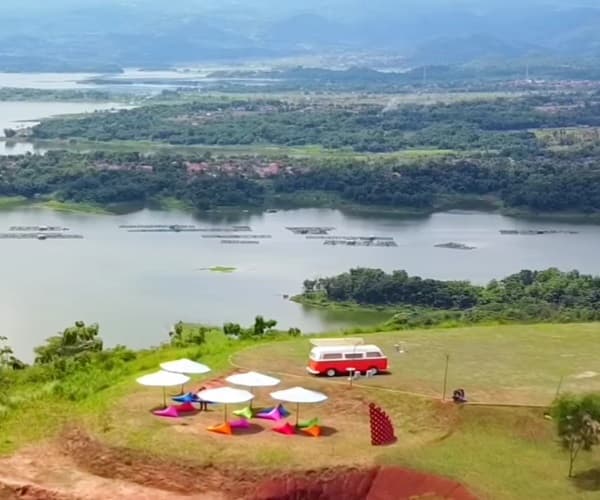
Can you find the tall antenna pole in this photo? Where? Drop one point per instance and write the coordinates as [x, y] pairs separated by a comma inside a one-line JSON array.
[[445, 378]]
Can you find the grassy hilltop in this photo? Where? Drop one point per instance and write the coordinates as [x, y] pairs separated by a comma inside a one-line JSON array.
[[500, 452]]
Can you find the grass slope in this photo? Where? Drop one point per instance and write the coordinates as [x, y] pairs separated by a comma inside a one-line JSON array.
[[521, 364], [501, 453], [7, 202]]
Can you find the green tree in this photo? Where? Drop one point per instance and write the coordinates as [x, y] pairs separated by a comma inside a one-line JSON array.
[[182, 337], [294, 332], [578, 424], [261, 326], [7, 358], [177, 329], [73, 342], [232, 329]]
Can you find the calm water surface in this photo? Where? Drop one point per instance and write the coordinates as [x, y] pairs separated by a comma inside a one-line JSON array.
[[18, 115], [25, 114], [138, 284]]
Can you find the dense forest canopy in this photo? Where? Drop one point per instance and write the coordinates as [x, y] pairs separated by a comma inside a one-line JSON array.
[[501, 124], [534, 153], [544, 184], [549, 295]]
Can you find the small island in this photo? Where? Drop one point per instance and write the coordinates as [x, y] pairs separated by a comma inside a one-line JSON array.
[[219, 269], [455, 246]]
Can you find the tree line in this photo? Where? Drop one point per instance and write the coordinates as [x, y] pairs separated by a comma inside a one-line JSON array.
[[498, 124], [548, 295], [546, 184]]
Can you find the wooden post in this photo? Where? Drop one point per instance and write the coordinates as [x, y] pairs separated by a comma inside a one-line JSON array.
[[559, 387], [351, 372], [445, 377]]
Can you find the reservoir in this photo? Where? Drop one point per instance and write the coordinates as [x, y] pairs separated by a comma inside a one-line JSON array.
[[17, 115], [136, 284]]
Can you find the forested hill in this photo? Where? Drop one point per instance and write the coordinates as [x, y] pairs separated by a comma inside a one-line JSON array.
[[543, 185], [551, 184], [499, 124], [549, 295]]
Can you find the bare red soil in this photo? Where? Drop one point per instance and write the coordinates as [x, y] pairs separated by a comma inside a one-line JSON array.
[[83, 468], [389, 483]]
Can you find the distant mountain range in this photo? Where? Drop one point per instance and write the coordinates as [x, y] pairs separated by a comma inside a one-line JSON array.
[[70, 34]]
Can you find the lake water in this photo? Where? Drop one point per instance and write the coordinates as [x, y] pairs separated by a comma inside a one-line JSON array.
[[48, 81], [18, 115], [24, 114], [136, 285]]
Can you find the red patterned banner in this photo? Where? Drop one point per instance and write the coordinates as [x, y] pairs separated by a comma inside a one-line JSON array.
[[382, 429]]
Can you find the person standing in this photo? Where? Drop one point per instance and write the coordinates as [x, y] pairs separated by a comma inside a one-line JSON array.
[[203, 404]]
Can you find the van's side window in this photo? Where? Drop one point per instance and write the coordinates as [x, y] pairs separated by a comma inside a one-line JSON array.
[[374, 355], [353, 355], [333, 355]]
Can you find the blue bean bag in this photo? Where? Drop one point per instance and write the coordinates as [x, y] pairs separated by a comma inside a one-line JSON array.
[[282, 411], [190, 397]]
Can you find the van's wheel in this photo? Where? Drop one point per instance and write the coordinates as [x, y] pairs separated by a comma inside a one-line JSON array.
[[373, 370], [331, 372]]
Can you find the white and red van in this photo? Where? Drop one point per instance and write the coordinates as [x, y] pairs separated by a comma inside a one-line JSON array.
[[333, 357]]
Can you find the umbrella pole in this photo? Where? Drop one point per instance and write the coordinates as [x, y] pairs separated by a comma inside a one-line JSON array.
[[164, 397], [252, 398], [225, 414], [297, 413]]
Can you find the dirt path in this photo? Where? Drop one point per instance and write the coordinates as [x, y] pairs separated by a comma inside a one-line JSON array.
[[45, 472], [80, 468]]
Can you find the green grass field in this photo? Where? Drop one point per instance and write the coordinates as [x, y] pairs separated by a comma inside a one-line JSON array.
[[505, 453], [79, 208], [265, 150], [520, 364], [12, 202]]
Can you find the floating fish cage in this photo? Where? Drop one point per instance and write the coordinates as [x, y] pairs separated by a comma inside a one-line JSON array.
[[352, 238], [530, 232], [234, 229], [238, 236], [361, 243], [240, 242], [323, 230], [156, 226], [40, 236], [164, 230], [181, 228], [38, 229]]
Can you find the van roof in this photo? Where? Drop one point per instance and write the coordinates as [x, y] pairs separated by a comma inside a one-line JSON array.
[[345, 348], [345, 341]]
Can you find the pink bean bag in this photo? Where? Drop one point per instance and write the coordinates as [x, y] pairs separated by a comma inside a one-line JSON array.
[[286, 429], [185, 408], [271, 415], [170, 412], [240, 424]]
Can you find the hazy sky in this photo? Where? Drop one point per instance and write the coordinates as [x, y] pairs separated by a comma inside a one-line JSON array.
[[282, 5]]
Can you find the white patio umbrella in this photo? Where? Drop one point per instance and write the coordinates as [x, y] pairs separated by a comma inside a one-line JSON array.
[[186, 366], [299, 395], [163, 379], [252, 380], [225, 396]]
